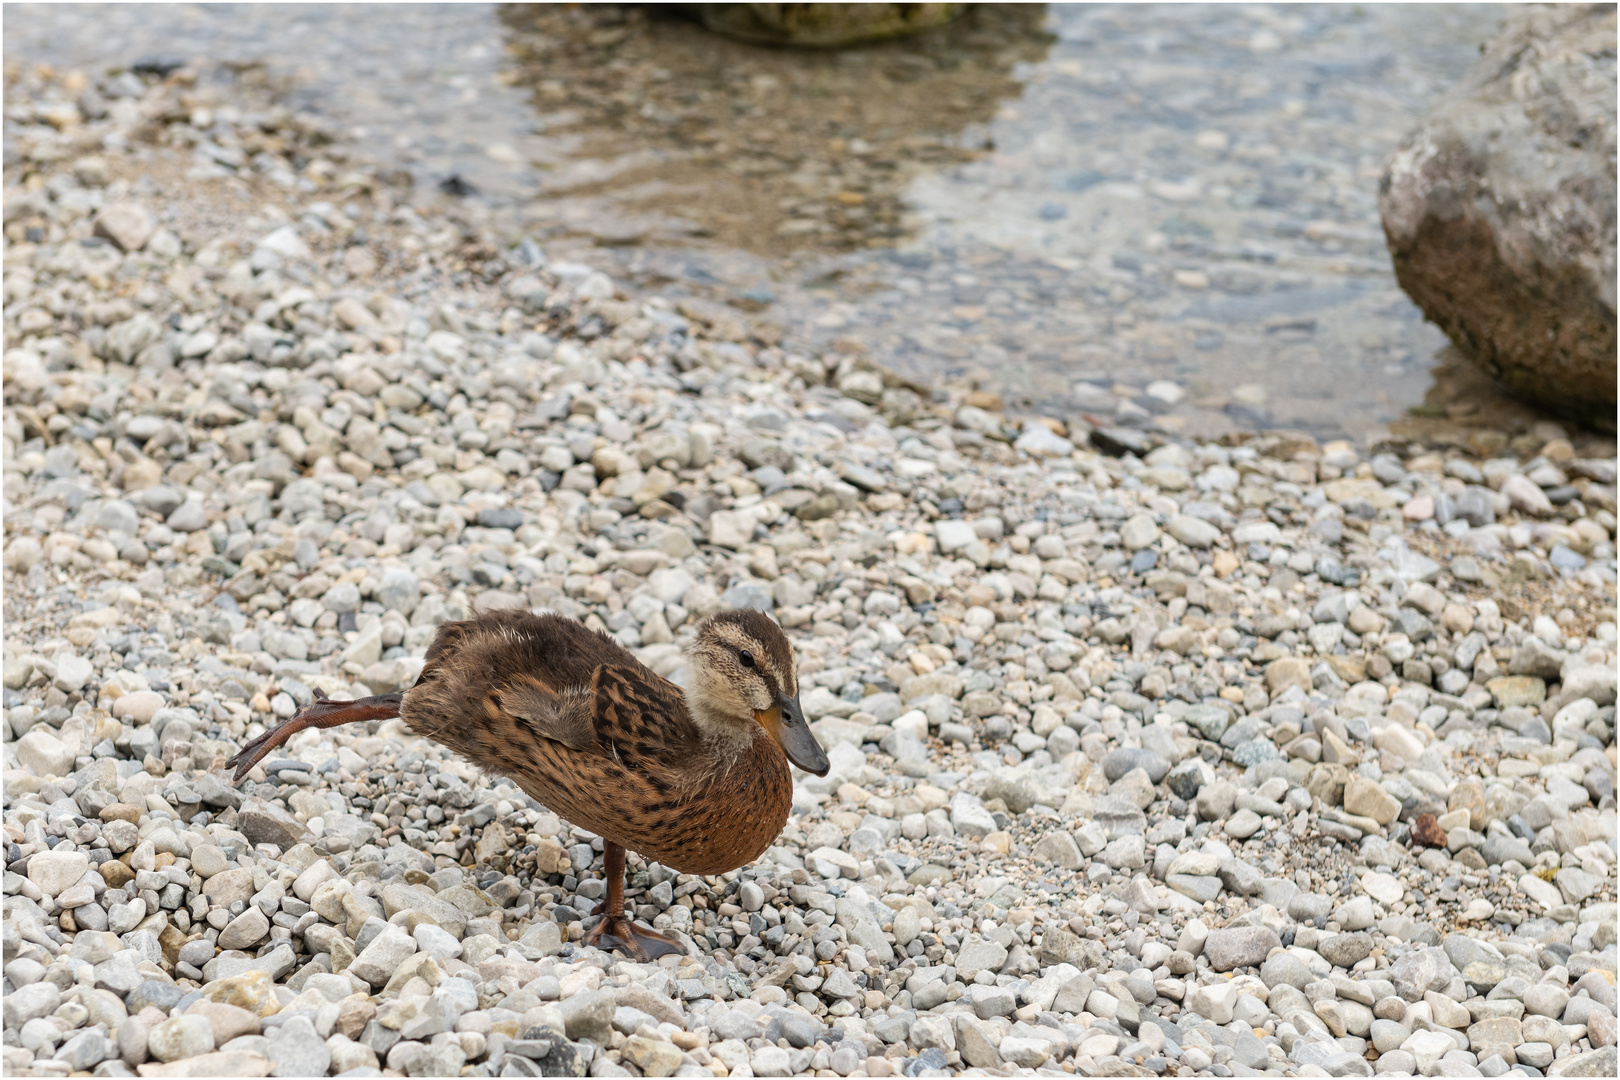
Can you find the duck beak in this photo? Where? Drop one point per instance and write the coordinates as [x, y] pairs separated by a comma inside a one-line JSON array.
[[785, 721]]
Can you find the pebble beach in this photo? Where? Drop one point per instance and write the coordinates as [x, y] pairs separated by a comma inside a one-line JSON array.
[[1150, 756]]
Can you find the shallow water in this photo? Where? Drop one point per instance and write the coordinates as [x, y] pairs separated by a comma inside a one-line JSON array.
[[1113, 194]]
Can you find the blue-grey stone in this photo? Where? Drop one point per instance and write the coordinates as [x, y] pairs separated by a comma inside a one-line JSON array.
[[1565, 559], [160, 995], [1241, 732], [1474, 506], [399, 589], [161, 499], [750, 595], [1254, 752], [1186, 778], [190, 516], [496, 517], [1211, 720]]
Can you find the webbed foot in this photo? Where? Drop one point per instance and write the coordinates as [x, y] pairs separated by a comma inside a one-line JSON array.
[[642, 944]]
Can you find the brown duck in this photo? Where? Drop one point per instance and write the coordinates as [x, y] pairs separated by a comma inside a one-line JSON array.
[[697, 780]]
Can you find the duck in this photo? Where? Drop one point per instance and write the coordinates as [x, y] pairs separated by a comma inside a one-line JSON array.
[[696, 779]]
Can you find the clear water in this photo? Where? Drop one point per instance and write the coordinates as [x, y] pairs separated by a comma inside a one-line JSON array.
[[1039, 195]]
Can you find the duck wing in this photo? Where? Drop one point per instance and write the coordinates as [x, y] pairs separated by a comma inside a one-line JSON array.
[[564, 717], [626, 714]]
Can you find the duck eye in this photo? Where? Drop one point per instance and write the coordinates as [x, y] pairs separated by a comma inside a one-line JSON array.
[[746, 657]]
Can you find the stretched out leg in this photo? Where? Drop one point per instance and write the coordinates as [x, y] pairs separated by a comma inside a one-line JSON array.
[[616, 931], [322, 712]]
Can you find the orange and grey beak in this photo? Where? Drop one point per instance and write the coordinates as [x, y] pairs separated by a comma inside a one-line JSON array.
[[785, 721]]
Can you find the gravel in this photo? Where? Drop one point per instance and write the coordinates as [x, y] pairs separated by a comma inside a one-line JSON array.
[[1106, 797]]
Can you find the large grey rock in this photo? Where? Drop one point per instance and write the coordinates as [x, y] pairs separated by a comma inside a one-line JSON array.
[[1500, 210]]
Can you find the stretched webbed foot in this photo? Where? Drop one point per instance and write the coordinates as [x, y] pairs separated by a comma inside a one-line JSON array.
[[643, 945]]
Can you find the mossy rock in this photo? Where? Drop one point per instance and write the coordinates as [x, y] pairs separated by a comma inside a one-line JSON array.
[[821, 26]]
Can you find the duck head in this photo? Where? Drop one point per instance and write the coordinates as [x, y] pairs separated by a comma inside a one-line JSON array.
[[741, 673]]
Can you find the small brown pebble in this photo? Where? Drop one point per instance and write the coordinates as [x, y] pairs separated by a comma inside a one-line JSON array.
[[1427, 831]]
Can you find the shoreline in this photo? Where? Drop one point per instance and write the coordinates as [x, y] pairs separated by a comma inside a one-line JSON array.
[[1127, 747]]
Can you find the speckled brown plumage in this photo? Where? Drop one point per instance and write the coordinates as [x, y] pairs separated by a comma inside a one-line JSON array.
[[595, 735], [697, 780]]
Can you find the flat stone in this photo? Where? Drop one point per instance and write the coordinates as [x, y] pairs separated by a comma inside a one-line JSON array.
[[155, 993], [1017, 792], [1213, 1002], [1211, 722], [1517, 690], [1200, 888], [1025, 1053], [1384, 888], [1121, 761], [1308, 907], [991, 1001], [219, 1063], [1194, 532], [1242, 946], [1542, 892], [1497, 1036], [398, 897], [954, 535], [421, 1018], [1243, 824], [1199, 863], [979, 954]]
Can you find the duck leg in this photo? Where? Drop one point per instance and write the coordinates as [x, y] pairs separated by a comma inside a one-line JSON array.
[[616, 931], [323, 712]]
